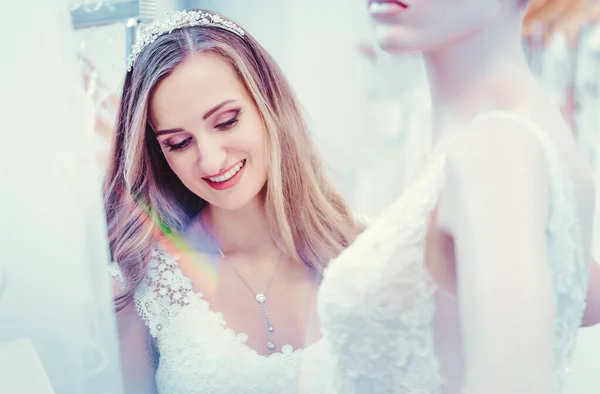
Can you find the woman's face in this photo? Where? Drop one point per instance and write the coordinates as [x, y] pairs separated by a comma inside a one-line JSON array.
[[424, 25], [210, 131]]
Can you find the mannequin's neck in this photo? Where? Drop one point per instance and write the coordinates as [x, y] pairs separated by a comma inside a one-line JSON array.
[[476, 73]]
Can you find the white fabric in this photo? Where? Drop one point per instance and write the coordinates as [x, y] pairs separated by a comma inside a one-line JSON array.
[[200, 354], [379, 317], [54, 289]]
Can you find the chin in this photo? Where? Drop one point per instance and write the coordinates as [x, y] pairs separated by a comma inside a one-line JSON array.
[[393, 47], [397, 40], [236, 201], [231, 204]]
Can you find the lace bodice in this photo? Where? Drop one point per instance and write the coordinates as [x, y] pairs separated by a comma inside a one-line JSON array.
[[379, 316], [200, 354]]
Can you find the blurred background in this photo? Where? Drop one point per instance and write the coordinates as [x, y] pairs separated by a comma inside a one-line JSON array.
[[369, 111]]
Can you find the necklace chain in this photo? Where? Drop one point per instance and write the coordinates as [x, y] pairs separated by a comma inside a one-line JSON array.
[[261, 298]]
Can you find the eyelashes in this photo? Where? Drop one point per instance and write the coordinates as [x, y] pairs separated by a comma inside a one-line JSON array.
[[180, 145], [229, 123], [223, 126]]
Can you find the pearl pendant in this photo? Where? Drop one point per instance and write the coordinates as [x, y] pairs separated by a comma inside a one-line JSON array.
[[261, 298], [271, 346]]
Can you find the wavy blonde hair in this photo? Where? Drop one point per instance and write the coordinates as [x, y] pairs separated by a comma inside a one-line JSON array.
[[308, 218]]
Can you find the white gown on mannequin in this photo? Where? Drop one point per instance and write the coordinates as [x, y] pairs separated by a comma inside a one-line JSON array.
[[55, 296], [388, 326]]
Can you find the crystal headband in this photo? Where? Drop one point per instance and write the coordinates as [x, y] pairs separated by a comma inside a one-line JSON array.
[[178, 20]]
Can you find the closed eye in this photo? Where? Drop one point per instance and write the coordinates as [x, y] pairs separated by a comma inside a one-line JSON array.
[[178, 146], [226, 125]]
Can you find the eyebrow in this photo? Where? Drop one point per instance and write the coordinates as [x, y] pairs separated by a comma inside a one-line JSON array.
[[168, 131], [216, 108], [209, 113]]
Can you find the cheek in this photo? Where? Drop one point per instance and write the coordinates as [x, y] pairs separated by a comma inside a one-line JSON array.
[[255, 147], [182, 164], [254, 139], [260, 148]]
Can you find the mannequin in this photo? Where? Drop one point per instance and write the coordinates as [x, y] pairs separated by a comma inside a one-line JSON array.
[[467, 265]]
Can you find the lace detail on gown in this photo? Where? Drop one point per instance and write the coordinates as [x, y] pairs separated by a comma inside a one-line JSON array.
[[165, 291], [115, 271], [200, 354], [378, 316]]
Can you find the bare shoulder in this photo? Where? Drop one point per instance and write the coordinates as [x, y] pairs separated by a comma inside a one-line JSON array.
[[496, 150], [495, 163]]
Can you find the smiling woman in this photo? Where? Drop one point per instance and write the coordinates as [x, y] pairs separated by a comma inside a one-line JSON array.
[[220, 217], [215, 140]]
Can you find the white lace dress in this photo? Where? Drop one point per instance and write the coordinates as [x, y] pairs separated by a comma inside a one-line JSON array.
[[380, 310], [200, 354]]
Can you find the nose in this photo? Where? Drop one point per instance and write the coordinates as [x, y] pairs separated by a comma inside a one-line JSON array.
[[213, 156]]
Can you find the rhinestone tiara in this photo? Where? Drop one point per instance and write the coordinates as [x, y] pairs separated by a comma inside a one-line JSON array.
[[174, 21]]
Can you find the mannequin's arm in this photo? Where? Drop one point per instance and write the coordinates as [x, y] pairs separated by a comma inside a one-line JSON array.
[[495, 206]]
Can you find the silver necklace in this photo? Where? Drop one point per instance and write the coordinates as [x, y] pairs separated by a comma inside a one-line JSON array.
[[261, 298]]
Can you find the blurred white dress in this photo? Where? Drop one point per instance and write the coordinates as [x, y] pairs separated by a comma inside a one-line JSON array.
[[55, 297]]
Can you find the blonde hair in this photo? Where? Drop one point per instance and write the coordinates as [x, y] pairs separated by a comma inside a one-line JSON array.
[[309, 219]]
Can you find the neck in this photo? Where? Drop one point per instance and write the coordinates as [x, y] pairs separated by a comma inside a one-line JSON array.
[[244, 230], [475, 74]]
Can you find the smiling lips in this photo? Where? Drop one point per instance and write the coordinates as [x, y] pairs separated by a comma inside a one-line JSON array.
[[228, 178]]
